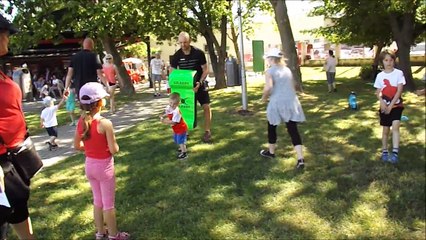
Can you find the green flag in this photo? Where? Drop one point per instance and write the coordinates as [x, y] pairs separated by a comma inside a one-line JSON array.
[[182, 82]]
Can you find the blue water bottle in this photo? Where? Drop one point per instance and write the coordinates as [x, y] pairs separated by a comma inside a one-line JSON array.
[[352, 101]]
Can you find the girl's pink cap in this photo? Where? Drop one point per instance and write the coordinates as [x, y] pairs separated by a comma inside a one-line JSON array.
[[92, 92]]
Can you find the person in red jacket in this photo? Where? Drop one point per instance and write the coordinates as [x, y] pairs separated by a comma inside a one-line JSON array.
[[95, 137], [15, 187], [173, 117]]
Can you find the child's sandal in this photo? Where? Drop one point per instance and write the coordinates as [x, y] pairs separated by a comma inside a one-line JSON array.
[[120, 236], [100, 236]]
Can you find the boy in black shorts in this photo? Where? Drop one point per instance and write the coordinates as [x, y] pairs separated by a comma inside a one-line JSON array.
[[49, 121]]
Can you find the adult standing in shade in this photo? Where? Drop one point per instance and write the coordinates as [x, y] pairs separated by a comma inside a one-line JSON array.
[[16, 188], [191, 58], [85, 67]]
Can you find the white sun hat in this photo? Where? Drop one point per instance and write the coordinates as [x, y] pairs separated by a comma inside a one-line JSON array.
[[274, 52]]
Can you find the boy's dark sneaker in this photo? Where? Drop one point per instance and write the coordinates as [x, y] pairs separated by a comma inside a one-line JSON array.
[[50, 145], [54, 146], [394, 158], [300, 164], [182, 155], [385, 156], [266, 153]]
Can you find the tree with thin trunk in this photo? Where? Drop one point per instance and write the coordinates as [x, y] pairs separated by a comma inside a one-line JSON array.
[[287, 40]]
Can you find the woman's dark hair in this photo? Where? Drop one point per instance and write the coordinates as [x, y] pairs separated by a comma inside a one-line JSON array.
[[330, 52]]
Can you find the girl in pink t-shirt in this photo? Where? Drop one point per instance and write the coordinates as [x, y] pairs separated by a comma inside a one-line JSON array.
[[95, 136]]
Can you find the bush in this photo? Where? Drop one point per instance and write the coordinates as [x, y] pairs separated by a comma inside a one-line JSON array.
[[366, 72]]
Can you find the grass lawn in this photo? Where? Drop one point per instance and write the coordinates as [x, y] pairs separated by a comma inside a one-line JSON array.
[[227, 191]]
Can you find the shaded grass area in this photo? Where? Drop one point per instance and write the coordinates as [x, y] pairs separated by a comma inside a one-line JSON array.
[[227, 191]]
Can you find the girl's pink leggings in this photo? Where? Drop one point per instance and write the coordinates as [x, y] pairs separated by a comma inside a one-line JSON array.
[[100, 173]]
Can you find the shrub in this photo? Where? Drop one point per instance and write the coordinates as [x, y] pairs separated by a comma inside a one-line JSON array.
[[366, 72]]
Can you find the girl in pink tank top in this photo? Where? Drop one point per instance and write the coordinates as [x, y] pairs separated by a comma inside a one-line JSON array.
[[95, 137]]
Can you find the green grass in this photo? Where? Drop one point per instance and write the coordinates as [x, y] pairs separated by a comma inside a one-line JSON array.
[[227, 191]]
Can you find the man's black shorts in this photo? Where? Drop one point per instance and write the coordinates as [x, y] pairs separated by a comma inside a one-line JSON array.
[[387, 119], [202, 97], [17, 192]]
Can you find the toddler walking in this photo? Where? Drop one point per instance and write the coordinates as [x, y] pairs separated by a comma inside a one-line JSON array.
[[49, 121], [173, 117], [95, 136]]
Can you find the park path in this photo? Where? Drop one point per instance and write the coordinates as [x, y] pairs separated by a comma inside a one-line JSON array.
[[125, 117]]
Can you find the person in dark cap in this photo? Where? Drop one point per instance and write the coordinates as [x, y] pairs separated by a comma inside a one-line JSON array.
[[12, 185]]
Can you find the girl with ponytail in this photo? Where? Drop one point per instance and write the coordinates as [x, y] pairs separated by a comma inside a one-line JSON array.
[[95, 137]]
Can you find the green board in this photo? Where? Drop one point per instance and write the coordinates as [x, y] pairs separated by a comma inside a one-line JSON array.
[[182, 82], [258, 52]]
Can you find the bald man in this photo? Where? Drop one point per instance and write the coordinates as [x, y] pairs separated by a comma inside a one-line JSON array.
[[191, 58], [85, 67]]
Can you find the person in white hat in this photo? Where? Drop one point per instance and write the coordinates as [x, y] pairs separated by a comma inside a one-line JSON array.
[[49, 121], [95, 137], [283, 105]]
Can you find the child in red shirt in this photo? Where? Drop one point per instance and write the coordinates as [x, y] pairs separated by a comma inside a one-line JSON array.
[[174, 118]]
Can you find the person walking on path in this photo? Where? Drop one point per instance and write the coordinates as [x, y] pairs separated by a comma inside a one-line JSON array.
[[95, 137], [191, 58], [283, 106], [174, 118], [157, 66], [12, 134], [49, 121], [110, 71], [389, 85], [85, 67], [330, 71], [70, 106]]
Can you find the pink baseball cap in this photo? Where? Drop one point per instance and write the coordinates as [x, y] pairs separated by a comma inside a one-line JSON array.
[[92, 92]]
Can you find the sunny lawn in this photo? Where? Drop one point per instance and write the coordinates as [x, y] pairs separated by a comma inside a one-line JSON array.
[[226, 190]]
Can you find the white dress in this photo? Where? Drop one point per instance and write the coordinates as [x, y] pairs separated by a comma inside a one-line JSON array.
[[283, 106]]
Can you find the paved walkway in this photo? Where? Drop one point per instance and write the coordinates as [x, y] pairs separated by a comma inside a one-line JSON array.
[[124, 118]]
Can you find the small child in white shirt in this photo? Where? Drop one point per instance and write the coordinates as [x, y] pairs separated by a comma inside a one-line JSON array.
[[49, 121]]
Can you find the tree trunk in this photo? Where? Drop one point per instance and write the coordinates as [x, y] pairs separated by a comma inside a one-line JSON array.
[[126, 86], [287, 40], [403, 32], [217, 60], [375, 67], [234, 39], [404, 65], [148, 50]]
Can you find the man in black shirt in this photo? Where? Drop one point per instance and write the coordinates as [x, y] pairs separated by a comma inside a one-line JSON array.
[[85, 67], [191, 58]]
